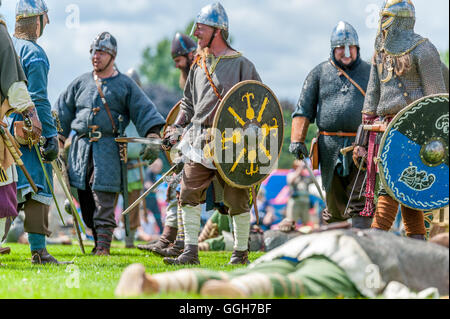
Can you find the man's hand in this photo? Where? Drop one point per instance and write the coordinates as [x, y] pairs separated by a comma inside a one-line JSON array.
[[150, 152], [172, 137], [299, 150], [50, 149], [358, 153], [30, 129]]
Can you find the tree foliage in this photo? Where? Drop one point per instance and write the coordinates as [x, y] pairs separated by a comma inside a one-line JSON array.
[[157, 66]]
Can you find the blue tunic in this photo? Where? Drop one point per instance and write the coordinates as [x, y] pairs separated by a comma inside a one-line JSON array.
[[35, 64], [76, 112]]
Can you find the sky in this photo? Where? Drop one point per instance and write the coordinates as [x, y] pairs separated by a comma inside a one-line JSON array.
[[285, 39]]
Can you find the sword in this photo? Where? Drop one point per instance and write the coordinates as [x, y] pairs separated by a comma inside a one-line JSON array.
[[140, 140], [311, 173], [123, 153], [71, 209], [15, 153], [354, 185], [48, 181], [156, 184]]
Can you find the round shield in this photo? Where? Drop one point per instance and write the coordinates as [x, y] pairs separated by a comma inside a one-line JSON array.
[[171, 117], [413, 155], [247, 134]]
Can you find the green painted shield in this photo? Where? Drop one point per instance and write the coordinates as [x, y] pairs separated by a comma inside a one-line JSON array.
[[247, 134]]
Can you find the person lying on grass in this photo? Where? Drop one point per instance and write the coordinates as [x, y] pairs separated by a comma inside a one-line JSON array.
[[347, 263]]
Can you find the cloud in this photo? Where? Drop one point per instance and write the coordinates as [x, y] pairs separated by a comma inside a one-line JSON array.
[[284, 39]]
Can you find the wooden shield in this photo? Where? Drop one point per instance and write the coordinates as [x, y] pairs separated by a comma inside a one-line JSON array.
[[247, 134], [171, 117], [413, 155]]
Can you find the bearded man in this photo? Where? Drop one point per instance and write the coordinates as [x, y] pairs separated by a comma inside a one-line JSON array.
[[216, 70], [405, 67], [333, 97]]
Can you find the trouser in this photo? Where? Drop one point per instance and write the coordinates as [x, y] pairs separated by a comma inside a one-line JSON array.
[[8, 200], [314, 276], [298, 208], [386, 211], [135, 220], [97, 208], [152, 205], [36, 217], [339, 194], [195, 182], [171, 214]]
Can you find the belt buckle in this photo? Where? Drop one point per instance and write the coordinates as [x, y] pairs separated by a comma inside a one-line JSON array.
[[94, 135]]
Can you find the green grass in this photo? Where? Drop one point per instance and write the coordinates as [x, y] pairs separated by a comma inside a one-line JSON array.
[[97, 276]]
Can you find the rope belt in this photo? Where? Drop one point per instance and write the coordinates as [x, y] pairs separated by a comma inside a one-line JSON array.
[[341, 134]]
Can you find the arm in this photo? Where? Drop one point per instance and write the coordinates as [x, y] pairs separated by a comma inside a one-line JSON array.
[[373, 91], [37, 86], [304, 114], [430, 70]]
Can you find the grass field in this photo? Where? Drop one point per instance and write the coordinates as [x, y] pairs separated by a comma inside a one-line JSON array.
[[90, 277]]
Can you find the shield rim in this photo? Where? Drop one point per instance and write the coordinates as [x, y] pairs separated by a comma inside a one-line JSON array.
[[171, 117], [383, 141], [216, 120]]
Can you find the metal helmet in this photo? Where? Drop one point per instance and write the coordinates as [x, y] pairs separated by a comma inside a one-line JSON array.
[[104, 42], [132, 73], [396, 8], [30, 8], [344, 35], [213, 15], [182, 45]]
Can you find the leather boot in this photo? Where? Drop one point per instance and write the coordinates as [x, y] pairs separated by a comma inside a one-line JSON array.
[[104, 241], [5, 250], [41, 257], [174, 250], [239, 258], [361, 222], [168, 237], [94, 234], [188, 257]]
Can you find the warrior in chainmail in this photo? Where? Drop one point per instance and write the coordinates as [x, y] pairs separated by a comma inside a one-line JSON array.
[[405, 67], [349, 263], [333, 97]]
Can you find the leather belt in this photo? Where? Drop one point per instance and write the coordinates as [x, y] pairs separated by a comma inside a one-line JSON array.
[[341, 134], [94, 135]]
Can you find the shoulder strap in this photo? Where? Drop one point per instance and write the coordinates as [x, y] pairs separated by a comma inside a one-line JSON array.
[[105, 103], [348, 77], [216, 91]]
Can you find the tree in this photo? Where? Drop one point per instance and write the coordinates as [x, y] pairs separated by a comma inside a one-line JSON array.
[[286, 158], [157, 66]]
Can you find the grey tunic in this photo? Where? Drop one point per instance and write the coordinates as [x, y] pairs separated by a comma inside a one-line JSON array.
[[75, 110], [200, 103], [335, 105]]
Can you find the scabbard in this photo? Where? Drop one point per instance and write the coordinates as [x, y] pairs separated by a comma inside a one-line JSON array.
[[13, 148]]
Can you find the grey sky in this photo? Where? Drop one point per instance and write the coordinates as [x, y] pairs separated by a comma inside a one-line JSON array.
[[284, 38]]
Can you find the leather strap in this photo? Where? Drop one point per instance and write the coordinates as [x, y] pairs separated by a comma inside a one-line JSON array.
[[342, 134], [105, 103], [348, 77], [216, 91]]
